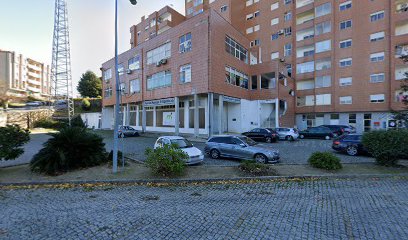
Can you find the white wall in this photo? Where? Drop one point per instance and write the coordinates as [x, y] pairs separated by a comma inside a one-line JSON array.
[[234, 113], [249, 115], [91, 119], [107, 118]]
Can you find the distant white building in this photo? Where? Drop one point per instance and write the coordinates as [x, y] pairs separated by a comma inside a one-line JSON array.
[[21, 77]]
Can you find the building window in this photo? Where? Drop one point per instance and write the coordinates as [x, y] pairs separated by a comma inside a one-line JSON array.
[[288, 31], [185, 43], [254, 82], [305, 67], [235, 77], [288, 2], [197, 2], [323, 81], [346, 100], [158, 80], [346, 5], [367, 122], [236, 49], [321, 28], [121, 69], [377, 36], [254, 43], [257, 14], [323, 46], [377, 57], [346, 43], [346, 81], [190, 11], [275, 36], [274, 55], [305, 101], [377, 16], [134, 63], [268, 80], [287, 49], [305, 85], [274, 6], [353, 120], [185, 73], [323, 64], [377, 98], [323, 99], [108, 92], [224, 8], [250, 16], [347, 62], [346, 24], [160, 53], [287, 16], [377, 78], [274, 21], [122, 88], [134, 86], [107, 74], [322, 10]]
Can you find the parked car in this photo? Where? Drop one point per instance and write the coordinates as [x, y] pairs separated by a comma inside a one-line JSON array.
[[289, 134], [34, 104], [262, 134], [240, 147], [340, 129], [350, 144], [318, 132], [195, 155], [127, 131]]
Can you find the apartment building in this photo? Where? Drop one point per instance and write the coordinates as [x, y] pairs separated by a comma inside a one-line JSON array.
[[263, 63], [21, 77]]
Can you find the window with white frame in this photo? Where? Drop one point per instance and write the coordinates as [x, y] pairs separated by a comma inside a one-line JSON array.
[[346, 24], [323, 99], [346, 62], [274, 21], [185, 73], [323, 9], [134, 63], [323, 81], [346, 81], [377, 78], [224, 8], [122, 88], [274, 6], [377, 57], [400, 72], [287, 49], [197, 2], [323, 46], [250, 30], [236, 78], [305, 101], [236, 49], [257, 28], [305, 85], [346, 100], [346, 5], [287, 16], [185, 43], [134, 86], [377, 16], [249, 16], [158, 80], [323, 64], [160, 53], [321, 28], [305, 67], [274, 55], [268, 80], [346, 43], [377, 98], [108, 92], [378, 36], [121, 69], [107, 74]]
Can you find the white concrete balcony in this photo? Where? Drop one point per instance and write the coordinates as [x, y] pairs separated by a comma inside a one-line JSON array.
[[33, 82], [33, 89]]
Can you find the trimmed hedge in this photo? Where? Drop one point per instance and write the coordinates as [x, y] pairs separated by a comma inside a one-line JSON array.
[[387, 146], [325, 160], [166, 161]]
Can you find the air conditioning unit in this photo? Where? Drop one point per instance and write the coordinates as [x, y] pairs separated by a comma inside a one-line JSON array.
[[129, 71], [282, 60], [281, 32], [163, 61]]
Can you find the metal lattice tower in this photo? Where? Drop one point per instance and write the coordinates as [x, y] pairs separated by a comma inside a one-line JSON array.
[[61, 62]]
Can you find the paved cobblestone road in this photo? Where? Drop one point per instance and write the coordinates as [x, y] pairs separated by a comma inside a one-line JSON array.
[[325, 209]]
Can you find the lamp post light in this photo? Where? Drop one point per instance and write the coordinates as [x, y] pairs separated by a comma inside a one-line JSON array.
[[118, 94]]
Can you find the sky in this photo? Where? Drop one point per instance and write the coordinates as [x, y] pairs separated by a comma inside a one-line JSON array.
[[26, 27]]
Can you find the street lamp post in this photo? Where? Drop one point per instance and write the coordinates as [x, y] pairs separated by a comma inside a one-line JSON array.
[[118, 92]]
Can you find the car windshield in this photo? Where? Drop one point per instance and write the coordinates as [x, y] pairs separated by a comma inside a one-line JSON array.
[[248, 141], [182, 143]]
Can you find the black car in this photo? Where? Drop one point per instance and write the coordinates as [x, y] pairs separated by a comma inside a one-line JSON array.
[[340, 129], [318, 132], [350, 144], [262, 134]]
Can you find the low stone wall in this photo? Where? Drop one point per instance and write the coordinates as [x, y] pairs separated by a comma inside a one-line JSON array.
[[23, 118]]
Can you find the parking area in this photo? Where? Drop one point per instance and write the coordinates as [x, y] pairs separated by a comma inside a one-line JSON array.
[[296, 152]]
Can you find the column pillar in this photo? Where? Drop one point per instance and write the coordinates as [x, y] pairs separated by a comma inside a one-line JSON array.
[[210, 114], [277, 113], [186, 114], [177, 117], [196, 116], [154, 116], [143, 118], [137, 115], [221, 113]]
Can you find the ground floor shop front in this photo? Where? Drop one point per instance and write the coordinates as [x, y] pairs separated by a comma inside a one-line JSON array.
[[200, 114]]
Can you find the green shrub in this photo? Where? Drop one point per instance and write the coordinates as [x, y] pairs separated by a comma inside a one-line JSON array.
[[253, 167], [12, 138], [325, 160], [72, 148], [85, 104], [387, 146], [78, 122], [48, 123], [110, 158], [166, 161]]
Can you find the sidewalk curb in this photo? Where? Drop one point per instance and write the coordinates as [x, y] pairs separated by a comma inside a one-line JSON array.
[[183, 182]]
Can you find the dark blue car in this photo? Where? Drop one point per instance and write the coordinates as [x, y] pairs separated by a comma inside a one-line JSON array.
[[350, 144]]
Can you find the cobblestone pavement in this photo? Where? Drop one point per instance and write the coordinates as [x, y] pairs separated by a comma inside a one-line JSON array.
[[321, 209]]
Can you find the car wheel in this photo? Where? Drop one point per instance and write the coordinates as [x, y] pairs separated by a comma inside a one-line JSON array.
[[268, 140], [327, 137], [215, 154], [352, 150], [289, 138], [260, 158], [302, 136]]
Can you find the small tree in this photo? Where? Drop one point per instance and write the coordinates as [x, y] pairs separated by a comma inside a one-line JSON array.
[[90, 85], [166, 161], [12, 138]]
